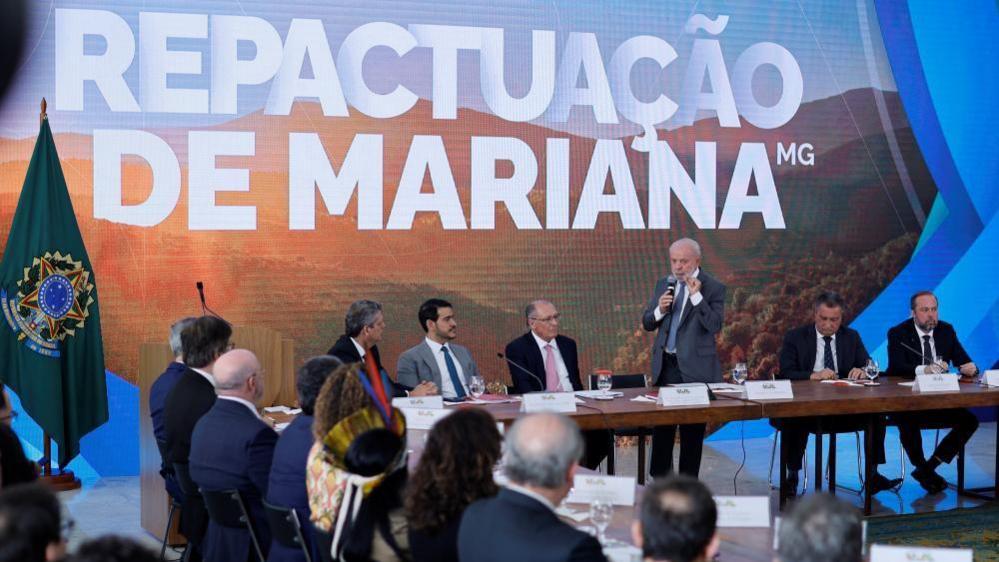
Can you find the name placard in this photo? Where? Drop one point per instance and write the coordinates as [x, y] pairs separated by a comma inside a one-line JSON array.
[[769, 390], [884, 553], [991, 377], [419, 403], [941, 382], [423, 418], [743, 511], [617, 490], [562, 402], [696, 395]]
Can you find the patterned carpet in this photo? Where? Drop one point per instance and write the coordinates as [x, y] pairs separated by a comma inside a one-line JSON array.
[[976, 528]]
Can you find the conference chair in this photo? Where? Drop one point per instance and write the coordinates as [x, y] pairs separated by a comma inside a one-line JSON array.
[[618, 382], [286, 528], [227, 508], [190, 490], [174, 502]]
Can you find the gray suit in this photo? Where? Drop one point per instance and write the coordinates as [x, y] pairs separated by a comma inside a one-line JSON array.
[[696, 352], [418, 364]]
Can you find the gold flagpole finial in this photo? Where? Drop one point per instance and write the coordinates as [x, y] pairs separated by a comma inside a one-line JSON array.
[[43, 116]]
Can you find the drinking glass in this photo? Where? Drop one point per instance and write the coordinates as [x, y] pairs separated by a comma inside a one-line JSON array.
[[604, 382], [476, 386], [941, 363], [871, 369], [601, 513], [739, 373]]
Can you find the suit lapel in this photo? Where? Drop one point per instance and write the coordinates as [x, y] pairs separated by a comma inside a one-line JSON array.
[[536, 362], [811, 340], [842, 365], [427, 355]]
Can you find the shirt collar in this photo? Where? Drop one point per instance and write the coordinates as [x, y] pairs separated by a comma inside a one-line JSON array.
[[819, 335], [436, 347], [246, 403], [920, 332], [205, 374], [533, 495], [542, 343], [360, 349]]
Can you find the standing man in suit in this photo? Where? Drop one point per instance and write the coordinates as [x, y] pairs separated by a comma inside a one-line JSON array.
[[158, 393], [687, 308], [286, 485], [825, 349], [232, 448], [544, 360], [913, 347], [437, 359], [541, 457], [364, 327], [202, 342]]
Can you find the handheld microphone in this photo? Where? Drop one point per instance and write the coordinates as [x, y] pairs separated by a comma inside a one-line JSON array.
[[671, 284], [523, 369]]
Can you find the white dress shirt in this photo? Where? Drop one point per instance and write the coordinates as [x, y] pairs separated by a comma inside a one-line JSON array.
[[820, 352], [246, 403], [694, 300], [921, 369], [560, 368], [447, 387], [360, 349]]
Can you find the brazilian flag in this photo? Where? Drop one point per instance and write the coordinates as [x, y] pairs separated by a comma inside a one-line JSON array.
[[50, 334]]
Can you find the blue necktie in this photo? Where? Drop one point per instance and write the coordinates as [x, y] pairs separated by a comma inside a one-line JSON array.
[[459, 390], [827, 355], [674, 321]]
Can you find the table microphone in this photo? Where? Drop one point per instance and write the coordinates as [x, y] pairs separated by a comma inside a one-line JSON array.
[[204, 305], [517, 365]]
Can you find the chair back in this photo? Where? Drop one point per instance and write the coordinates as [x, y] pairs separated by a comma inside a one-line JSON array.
[[183, 472], [227, 509], [622, 381], [286, 529]]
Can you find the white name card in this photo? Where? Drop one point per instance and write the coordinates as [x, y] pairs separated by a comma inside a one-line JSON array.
[[562, 402], [696, 395], [884, 553], [419, 403], [617, 490], [942, 382], [991, 377], [743, 511], [423, 418], [769, 390]]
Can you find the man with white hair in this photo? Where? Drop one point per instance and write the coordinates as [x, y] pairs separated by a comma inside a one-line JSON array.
[[540, 459], [687, 308], [232, 448], [158, 393]]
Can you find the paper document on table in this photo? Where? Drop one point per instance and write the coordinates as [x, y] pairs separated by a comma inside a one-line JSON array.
[[842, 382], [910, 383], [725, 387], [275, 409], [279, 427], [627, 553], [577, 516], [643, 398], [598, 393]]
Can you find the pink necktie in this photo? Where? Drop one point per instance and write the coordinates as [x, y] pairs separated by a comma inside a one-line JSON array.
[[551, 373]]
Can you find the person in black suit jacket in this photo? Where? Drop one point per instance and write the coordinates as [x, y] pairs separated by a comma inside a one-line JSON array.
[[286, 485], [913, 347], [232, 449], [540, 460], [193, 395], [364, 326], [684, 348], [15, 468], [531, 371], [158, 393], [825, 349]]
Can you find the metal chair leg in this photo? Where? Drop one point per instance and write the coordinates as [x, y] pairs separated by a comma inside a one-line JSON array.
[[610, 455], [166, 532], [642, 471], [773, 456]]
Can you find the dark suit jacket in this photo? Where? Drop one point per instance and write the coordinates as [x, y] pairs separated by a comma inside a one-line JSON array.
[[15, 468], [190, 399], [344, 350], [158, 395], [513, 526], [797, 354], [286, 486], [696, 352], [524, 351], [232, 449], [439, 547], [902, 362]]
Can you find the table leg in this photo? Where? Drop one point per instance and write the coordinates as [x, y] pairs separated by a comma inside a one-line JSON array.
[[868, 462], [818, 455], [832, 463], [781, 478], [995, 490]]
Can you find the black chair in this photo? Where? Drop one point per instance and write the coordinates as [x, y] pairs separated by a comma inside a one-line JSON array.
[[166, 472], [191, 494], [227, 508], [627, 381], [286, 528]]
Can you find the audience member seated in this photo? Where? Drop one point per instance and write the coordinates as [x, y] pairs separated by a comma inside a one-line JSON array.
[[30, 525], [820, 528], [677, 522], [112, 549], [15, 468], [540, 460], [286, 487], [456, 469], [232, 448], [158, 393]]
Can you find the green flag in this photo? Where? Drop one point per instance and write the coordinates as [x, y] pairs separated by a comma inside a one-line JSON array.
[[50, 335]]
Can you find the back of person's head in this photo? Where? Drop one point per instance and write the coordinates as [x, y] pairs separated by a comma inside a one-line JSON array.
[[540, 450], [310, 379], [112, 548], [677, 521], [372, 453], [820, 528], [456, 468], [204, 340], [340, 396], [176, 329], [30, 524]]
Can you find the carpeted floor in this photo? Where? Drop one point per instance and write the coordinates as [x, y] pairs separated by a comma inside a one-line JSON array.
[[976, 528]]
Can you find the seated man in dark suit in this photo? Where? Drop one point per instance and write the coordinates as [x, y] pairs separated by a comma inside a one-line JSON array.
[[437, 359], [544, 360], [192, 396], [286, 487], [540, 460], [913, 347], [364, 326], [825, 349], [158, 393], [677, 521], [232, 449]]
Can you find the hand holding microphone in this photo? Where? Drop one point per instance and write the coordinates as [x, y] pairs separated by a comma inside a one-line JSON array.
[[666, 300]]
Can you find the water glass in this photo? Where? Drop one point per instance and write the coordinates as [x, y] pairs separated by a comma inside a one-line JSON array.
[[601, 513], [604, 382], [739, 373], [476, 386], [941, 364], [871, 369]]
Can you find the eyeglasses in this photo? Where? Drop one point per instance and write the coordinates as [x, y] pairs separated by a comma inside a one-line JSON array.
[[553, 318]]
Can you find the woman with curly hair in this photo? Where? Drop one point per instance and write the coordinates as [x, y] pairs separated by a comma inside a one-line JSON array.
[[456, 469]]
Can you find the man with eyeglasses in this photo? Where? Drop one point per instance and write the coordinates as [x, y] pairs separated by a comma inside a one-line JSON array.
[[542, 360]]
